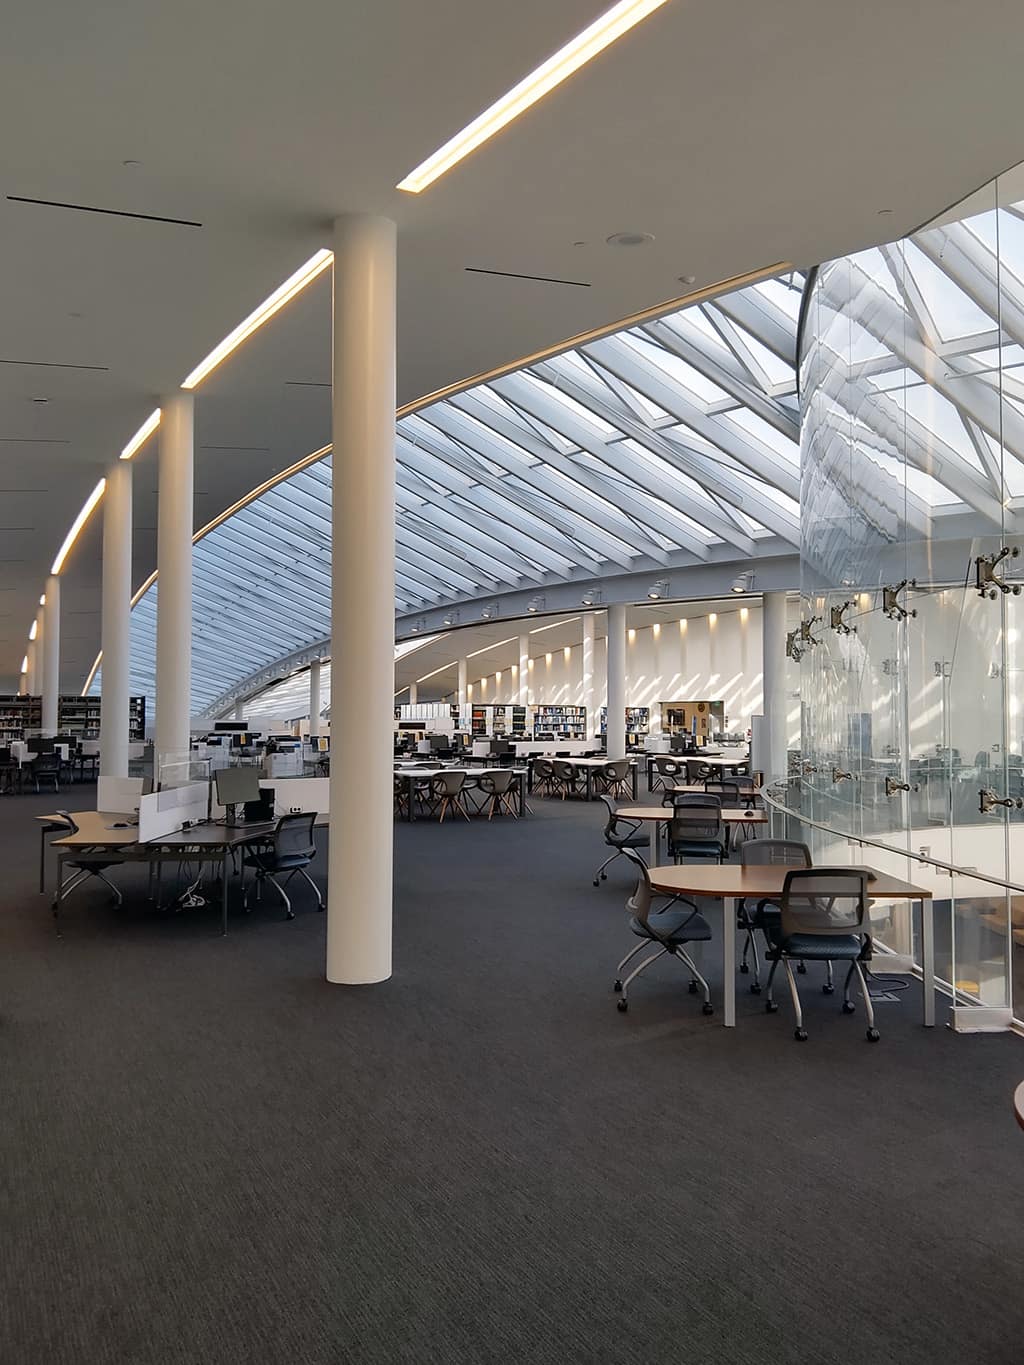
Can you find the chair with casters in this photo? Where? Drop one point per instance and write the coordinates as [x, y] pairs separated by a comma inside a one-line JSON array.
[[823, 916], [697, 830], [765, 853], [726, 790], [10, 771], [669, 930], [447, 791], [614, 778], [496, 788], [665, 773], [622, 835], [46, 768], [84, 865], [289, 851]]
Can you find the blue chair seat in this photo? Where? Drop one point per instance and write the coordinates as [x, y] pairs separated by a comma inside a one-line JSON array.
[[631, 841], [820, 948], [673, 926]]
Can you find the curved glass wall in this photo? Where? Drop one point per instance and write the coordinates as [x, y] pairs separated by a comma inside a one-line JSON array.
[[912, 644]]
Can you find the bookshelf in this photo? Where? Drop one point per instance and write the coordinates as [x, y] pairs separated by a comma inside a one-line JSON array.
[[19, 714], [567, 722], [80, 716], [638, 724]]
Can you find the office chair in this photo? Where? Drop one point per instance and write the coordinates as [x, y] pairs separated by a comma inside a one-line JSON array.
[[566, 778], [665, 772], [823, 916], [291, 850], [696, 771], [696, 829], [765, 853], [728, 792], [621, 840], [497, 790], [669, 928], [46, 767], [10, 771], [85, 865], [614, 777], [544, 776]]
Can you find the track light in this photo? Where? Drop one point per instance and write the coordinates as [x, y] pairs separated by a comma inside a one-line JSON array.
[[658, 590], [591, 596], [490, 611], [535, 603], [743, 582]]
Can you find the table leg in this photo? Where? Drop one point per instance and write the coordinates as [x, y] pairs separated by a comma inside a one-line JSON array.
[[729, 960], [42, 860], [60, 891], [410, 798], [225, 863], [529, 777], [928, 962], [634, 770]]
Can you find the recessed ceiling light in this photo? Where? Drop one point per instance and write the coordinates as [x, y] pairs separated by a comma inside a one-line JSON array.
[[131, 162], [604, 31], [630, 239]]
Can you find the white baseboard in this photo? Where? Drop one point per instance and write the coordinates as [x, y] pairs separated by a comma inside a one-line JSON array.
[[980, 1019]]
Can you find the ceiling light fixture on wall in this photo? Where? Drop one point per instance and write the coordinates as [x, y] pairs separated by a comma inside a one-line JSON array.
[[77, 525], [142, 435], [658, 590], [743, 582], [604, 31], [535, 603], [293, 285], [452, 619], [591, 596], [490, 611]]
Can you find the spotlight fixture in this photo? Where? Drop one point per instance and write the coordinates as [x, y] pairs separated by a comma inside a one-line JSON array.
[[606, 29], [535, 603], [743, 582], [658, 590], [591, 596], [490, 611]]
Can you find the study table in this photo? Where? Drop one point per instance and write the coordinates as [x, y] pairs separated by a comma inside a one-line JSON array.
[[96, 833], [588, 768], [723, 763], [413, 775], [731, 882], [659, 816]]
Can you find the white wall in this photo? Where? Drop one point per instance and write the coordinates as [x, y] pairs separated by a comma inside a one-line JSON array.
[[701, 658]]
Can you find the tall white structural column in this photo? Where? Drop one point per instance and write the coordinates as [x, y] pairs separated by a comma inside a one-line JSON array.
[[115, 625], [362, 602], [414, 694], [617, 680], [463, 680], [773, 668], [588, 699], [32, 676], [314, 698], [174, 588], [51, 655], [523, 678]]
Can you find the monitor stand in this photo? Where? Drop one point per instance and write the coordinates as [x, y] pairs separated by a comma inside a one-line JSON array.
[[231, 816]]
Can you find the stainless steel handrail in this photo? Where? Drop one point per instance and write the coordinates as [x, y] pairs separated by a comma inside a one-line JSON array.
[[862, 840]]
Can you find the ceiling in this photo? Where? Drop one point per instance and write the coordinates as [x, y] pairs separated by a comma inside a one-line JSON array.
[[737, 134]]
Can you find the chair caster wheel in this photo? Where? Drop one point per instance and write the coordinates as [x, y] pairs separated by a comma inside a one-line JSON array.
[[622, 1006], [744, 968], [873, 1035], [707, 1007], [604, 876], [802, 968], [827, 989], [596, 882], [692, 988], [848, 1007], [770, 1007], [755, 988], [800, 1034], [617, 987], [290, 914]]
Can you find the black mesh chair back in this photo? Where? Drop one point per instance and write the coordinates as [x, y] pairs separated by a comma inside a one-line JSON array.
[[824, 902], [668, 931], [774, 853], [696, 824], [639, 903], [728, 792], [682, 799], [293, 838]]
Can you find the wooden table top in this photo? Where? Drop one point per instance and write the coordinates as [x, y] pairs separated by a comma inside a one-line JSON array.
[[729, 817], [732, 879], [94, 830], [1018, 1103], [94, 827]]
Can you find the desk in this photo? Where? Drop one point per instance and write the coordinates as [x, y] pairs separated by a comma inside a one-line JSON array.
[[661, 815], [413, 775], [588, 767], [201, 843], [731, 882], [1018, 1103]]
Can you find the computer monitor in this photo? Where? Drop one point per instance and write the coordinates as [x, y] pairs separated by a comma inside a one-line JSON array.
[[235, 786], [501, 746], [323, 744]]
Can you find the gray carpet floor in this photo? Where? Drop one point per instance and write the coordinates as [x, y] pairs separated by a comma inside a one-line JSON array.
[[211, 1156]]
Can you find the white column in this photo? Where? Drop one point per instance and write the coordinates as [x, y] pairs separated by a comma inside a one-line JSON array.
[[238, 715], [414, 694], [617, 680], [51, 655], [523, 679], [115, 626], [363, 602], [463, 679], [174, 586], [32, 676], [589, 700], [773, 669], [314, 698]]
